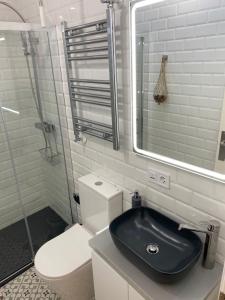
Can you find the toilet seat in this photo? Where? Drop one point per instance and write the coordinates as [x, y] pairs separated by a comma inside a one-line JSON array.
[[64, 263], [64, 254]]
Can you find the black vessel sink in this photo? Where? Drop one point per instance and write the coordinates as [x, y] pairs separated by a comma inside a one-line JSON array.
[[154, 244]]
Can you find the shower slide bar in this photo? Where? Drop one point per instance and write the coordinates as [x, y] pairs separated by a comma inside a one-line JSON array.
[[93, 42]]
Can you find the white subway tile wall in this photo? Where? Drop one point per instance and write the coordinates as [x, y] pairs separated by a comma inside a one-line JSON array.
[[15, 93], [191, 198], [195, 75], [55, 181], [40, 182]]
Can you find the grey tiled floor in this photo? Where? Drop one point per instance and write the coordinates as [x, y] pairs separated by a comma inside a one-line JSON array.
[[27, 286], [15, 252]]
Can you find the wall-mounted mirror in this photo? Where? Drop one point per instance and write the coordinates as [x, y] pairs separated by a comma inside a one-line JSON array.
[[178, 83]]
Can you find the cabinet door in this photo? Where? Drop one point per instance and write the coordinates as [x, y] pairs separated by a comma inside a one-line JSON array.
[[109, 285], [134, 295]]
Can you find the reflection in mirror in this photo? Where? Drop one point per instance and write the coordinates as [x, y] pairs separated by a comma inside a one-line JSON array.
[[178, 48]]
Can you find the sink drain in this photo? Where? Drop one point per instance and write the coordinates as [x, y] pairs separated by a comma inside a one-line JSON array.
[[152, 249]]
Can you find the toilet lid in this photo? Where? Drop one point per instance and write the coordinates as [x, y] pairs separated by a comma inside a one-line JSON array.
[[65, 253]]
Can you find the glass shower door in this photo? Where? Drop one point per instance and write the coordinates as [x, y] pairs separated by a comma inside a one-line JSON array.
[[15, 243], [34, 195], [55, 213]]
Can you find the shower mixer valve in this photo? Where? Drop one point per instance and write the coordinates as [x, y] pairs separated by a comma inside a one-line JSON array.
[[48, 127], [50, 151]]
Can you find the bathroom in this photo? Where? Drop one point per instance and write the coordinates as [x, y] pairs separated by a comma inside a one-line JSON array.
[[143, 111]]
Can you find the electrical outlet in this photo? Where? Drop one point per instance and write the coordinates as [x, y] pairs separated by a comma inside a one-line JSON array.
[[163, 180], [152, 176], [159, 178]]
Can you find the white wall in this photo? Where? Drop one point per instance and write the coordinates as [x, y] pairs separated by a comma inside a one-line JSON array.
[[190, 197], [191, 33]]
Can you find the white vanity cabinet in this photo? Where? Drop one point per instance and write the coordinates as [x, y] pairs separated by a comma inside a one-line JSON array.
[[133, 294], [109, 284]]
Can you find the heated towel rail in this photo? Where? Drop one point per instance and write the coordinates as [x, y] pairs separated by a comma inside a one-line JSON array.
[[94, 41]]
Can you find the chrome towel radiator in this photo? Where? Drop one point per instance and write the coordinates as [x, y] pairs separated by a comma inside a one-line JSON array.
[[94, 42]]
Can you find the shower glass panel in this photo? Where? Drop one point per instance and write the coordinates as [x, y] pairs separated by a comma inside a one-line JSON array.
[[34, 199], [15, 247]]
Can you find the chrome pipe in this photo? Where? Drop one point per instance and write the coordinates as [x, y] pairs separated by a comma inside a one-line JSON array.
[[73, 105], [93, 128], [91, 95], [85, 25], [97, 135], [85, 57], [113, 73], [90, 88], [92, 102], [90, 81], [84, 34], [87, 42], [95, 49], [92, 122]]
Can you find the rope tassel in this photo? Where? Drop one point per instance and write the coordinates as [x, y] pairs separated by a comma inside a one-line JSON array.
[[160, 92]]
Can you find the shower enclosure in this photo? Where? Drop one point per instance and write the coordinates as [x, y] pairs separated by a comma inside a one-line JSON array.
[[35, 201]]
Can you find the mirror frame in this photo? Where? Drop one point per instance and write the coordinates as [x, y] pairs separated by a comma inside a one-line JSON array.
[[133, 5]]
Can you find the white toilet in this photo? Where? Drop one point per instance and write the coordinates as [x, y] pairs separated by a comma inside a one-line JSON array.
[[65, 261]]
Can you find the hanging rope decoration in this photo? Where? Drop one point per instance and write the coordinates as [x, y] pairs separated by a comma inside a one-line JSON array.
[[160, 92]]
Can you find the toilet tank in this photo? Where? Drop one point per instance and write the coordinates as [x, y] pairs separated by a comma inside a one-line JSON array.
[[100, 202]]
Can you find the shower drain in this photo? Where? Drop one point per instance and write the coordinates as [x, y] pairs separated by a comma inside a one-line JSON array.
[[152, 249]]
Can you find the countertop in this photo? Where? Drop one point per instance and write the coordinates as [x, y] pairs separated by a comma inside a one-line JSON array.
[[197, 285]]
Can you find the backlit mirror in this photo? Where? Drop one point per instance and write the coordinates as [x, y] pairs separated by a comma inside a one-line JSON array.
[[178, 83]]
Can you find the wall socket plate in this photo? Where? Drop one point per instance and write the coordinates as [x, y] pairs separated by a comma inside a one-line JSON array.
[[164, 180], [160, 178], [152, 176]]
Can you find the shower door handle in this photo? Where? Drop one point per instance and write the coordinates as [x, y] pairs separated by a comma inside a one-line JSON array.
[[222, 147], [222, 143]]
